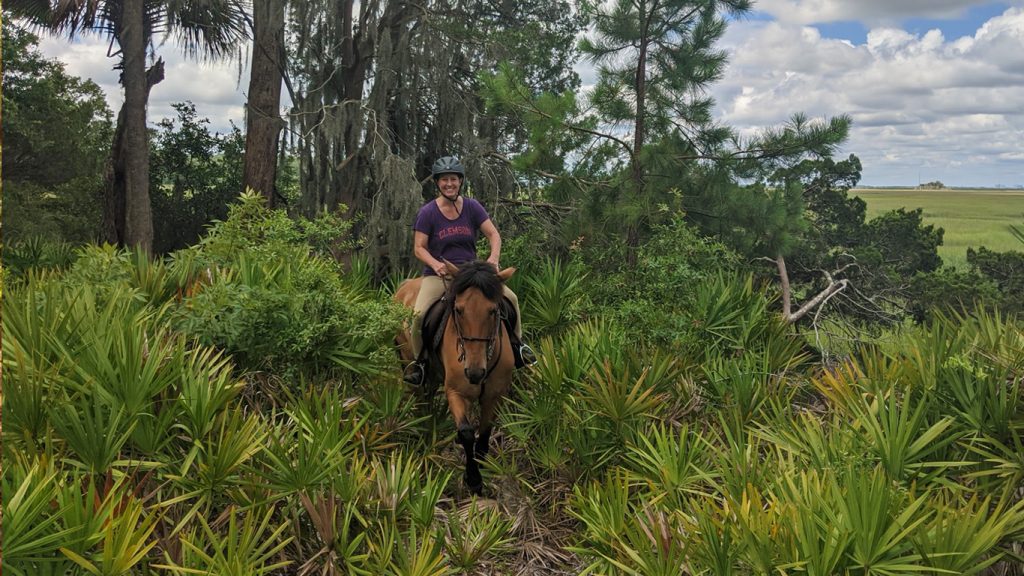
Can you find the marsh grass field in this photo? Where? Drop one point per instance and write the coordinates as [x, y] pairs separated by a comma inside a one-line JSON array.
[[970, 217]]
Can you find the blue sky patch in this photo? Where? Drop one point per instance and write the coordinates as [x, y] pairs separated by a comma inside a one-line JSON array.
[[856, 31], [966, 25]]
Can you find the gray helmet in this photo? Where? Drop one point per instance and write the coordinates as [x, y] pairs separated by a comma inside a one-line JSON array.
[[447, 165]]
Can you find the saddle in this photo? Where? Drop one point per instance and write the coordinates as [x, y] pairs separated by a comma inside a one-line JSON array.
[[436, 317]]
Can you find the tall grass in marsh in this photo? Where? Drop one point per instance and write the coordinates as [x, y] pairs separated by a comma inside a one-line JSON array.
[[971, 218]]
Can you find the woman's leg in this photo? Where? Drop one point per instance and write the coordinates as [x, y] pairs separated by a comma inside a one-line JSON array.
[[431, 290], [519, 317], [523, 353]]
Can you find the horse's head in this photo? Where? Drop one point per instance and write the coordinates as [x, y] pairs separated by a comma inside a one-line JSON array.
[[475, 294]]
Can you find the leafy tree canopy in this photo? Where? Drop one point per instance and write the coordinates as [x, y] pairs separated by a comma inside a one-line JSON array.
[[57, 131], [194, 176]]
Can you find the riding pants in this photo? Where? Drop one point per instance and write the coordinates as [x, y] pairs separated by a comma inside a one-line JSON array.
[[431, 290]]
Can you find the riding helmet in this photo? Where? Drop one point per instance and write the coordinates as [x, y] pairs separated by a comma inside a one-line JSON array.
[[447, 165]]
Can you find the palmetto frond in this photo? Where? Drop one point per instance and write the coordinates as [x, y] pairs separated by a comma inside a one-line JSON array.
[[203, 28], [212, 29]]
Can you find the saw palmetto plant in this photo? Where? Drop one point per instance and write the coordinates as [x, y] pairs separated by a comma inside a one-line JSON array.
[[132, 447]]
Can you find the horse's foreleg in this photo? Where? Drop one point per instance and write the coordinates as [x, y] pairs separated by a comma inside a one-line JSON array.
[[459, 408], [488, 408]]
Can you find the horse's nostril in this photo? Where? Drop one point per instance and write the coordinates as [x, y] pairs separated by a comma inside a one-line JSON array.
[[474, 375]]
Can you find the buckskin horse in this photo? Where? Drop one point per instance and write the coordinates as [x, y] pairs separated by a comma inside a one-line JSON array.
[[474, 356]]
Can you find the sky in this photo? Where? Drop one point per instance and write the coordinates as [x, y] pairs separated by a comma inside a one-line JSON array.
[[935, 88]]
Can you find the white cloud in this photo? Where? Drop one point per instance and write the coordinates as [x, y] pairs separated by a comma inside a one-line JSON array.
[[86, 57], [217, 89], [917, 101], [952, 107], [872, 12]]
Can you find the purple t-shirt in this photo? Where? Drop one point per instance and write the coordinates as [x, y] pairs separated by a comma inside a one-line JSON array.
[[451, 240]]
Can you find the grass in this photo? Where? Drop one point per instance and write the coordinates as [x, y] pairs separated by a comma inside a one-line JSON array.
[[971, 218]]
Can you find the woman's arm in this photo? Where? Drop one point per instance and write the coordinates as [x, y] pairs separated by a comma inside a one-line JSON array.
[[419, 248], [494, 239]]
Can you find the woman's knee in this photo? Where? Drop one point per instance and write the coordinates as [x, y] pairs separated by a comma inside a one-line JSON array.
[[510, 295], [431, 290]]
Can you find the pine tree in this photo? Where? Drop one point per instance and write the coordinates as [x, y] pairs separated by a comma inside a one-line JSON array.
[[655, 58]]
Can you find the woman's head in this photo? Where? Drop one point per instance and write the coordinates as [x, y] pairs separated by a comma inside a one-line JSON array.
[[448, 174]]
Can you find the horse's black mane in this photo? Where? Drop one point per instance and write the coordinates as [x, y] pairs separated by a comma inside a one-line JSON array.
[[477, 274]]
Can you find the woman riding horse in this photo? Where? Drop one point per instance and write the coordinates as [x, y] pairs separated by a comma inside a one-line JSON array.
[[475, 356], [446, 229]]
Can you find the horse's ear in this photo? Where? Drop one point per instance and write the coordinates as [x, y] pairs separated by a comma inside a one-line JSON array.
[[452, 268], [506, 274]]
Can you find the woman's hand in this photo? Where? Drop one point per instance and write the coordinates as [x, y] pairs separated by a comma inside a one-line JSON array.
[[493, 261], [440, 269]]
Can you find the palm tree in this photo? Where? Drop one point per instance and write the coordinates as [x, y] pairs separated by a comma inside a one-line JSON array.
[[263, 122], [211, 29]]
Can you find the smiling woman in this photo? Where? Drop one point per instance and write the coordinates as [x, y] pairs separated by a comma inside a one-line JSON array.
[[446, 231]]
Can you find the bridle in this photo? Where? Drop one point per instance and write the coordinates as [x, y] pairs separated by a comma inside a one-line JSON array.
[[497, 336]]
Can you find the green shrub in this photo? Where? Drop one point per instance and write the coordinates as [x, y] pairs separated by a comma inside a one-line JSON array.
[[263, 287], [1006, 270], [653, 298], [731, 317], [294, 315], [554, 297], [35, 254], [949, 289]]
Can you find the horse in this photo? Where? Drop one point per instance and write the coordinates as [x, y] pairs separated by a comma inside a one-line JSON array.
[[474, 358]]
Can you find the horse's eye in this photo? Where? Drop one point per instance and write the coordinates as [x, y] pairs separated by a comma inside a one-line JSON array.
[[458, 311], [494, 312]]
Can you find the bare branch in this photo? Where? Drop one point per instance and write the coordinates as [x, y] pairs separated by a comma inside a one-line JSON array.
[[820, 299]]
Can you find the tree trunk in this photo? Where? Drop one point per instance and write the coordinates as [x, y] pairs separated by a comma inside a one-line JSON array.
[[138, 213], [640, 126], [262, 121], [114, 179], [357, 51], [834, 287], [113, 188], [639, 133], [787, 302]]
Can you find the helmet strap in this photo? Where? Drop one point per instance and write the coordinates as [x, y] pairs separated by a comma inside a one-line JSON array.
[[455, 203]]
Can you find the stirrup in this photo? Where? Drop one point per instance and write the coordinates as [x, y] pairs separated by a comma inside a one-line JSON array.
[[415, 373], [525, 356]]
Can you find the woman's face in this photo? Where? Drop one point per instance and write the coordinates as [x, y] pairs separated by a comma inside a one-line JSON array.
[[449, 185]]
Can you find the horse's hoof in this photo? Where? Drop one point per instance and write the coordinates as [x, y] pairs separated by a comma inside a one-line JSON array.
[[474, 482]]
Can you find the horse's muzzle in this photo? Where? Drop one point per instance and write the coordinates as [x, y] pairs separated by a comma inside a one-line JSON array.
[[475, 375]]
